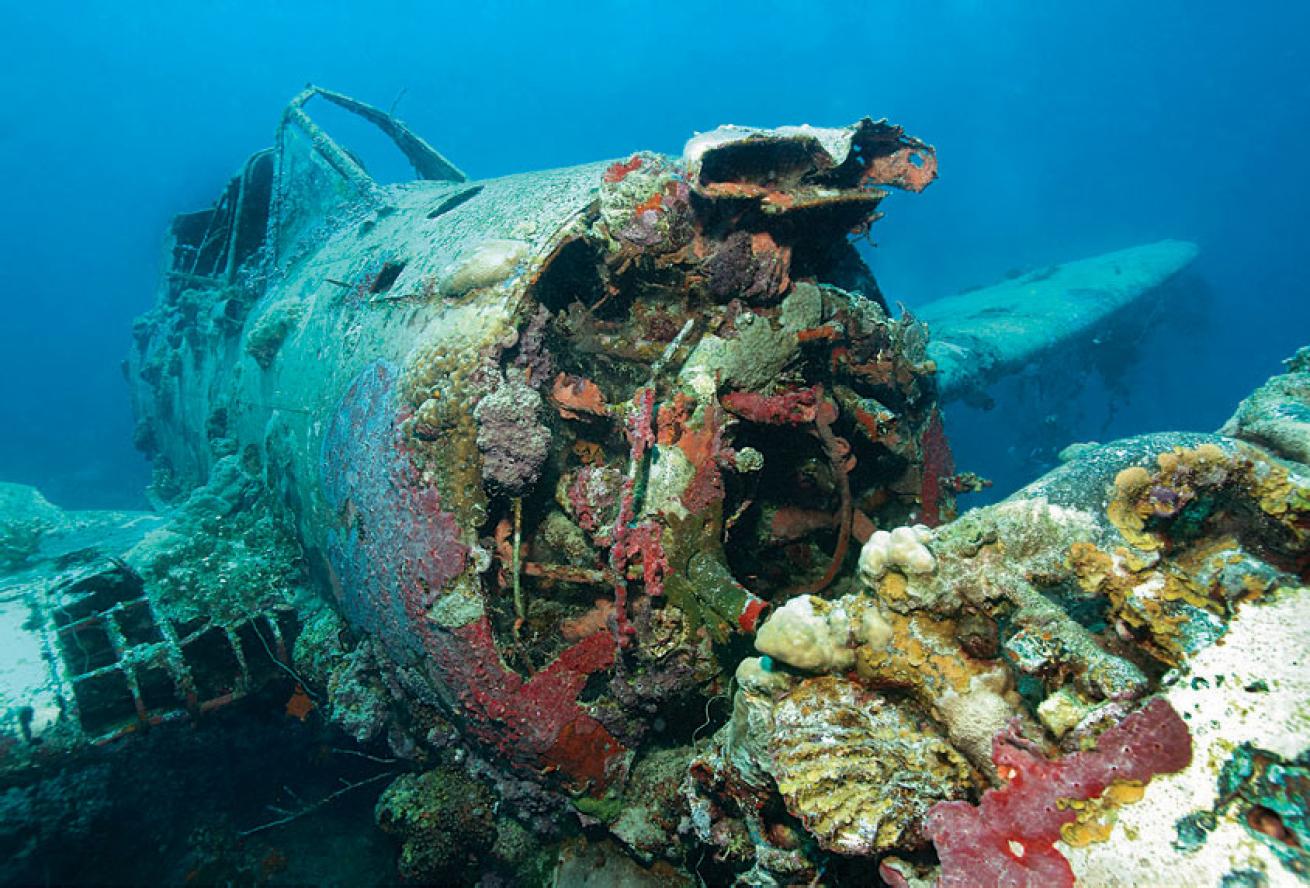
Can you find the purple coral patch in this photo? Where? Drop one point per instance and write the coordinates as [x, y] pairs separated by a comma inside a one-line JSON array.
[[513, 441]]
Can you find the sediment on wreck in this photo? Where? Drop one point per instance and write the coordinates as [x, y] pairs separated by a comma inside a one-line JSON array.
[[555, 443]]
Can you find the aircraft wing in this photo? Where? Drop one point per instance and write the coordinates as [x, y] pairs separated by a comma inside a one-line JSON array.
[[982, 335]]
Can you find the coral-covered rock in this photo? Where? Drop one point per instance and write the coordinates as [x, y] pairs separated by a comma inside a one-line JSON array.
[[443, 821], [1277, 414], [808, 633], [904, 549], [513, 441]]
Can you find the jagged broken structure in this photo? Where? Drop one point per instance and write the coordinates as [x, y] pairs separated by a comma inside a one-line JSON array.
[[510, 472], [490, 406]]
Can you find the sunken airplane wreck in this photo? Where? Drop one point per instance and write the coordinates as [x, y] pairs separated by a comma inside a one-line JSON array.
[[506, 479]]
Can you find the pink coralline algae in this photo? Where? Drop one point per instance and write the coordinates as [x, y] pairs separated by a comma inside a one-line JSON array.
[[594, 497], [534, 359], [750, 265], [631, 539], [791, 407], [1009, 838], [641, 423], [618, 171], [644, 542], [706, 451]]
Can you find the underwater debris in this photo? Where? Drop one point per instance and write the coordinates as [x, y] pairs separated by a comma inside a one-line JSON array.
[[668, 298], [982, 335], [557, 448], [187, 617], [1053, 615]]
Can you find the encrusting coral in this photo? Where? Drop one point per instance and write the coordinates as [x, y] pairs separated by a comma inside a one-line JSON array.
[[859, 771], [267, 336], [903, 549], [443, 821], [1040, 625], [513, 441], [557, 444]]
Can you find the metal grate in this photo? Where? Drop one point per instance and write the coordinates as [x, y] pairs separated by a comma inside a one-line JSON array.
[[128, 667]]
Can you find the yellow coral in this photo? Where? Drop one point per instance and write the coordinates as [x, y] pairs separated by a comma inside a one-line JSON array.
[[1123, 514], [1096, 817], [1187, 472], [893, 587], [922, 653], [1141, 597], [1134, 479], [1090, 565]]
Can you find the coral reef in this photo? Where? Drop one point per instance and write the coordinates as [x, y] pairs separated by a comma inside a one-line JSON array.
[[808, 633], [443, 822], [561, 446], [1243, 702], [1048, 622]]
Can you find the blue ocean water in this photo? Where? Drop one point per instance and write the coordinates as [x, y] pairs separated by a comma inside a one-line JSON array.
[[1062, 129]]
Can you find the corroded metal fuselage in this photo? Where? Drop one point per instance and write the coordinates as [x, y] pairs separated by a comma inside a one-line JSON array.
[[553, 440]]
